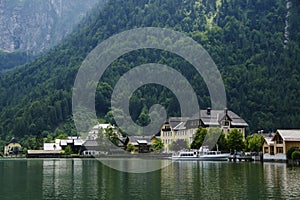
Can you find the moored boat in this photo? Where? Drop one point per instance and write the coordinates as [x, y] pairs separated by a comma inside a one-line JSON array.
[[202, 154]]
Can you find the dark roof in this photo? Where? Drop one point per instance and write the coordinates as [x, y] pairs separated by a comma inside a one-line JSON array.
[[142, 137], [90, 143], [215, 116], [13, 140], [175, 121]]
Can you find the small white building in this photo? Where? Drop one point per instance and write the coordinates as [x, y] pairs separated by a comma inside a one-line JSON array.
[[52, 146], [60, 144], [93, 134]]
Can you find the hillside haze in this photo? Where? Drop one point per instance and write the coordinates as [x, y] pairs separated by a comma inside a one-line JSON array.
[[254, 43], [35, 26]]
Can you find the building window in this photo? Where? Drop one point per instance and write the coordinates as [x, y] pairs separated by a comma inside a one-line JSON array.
[[225, 123], [279, 140], [272, 150], [266, 149], [279, 149]]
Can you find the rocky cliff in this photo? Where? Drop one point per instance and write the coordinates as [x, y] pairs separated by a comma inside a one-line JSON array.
[[37, 25]]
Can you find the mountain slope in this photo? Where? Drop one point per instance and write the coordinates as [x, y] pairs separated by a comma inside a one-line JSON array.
[[246, 39], [37, 25]]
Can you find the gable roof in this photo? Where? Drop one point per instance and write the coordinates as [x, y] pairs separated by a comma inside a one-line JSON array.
[[135, 138], [288, 135], [174, 122], [214, 118], [90, 143], [12, 140], [180, 126], [268, 138], [269, 141]]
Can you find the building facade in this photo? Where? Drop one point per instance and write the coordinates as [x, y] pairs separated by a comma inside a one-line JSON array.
[[176, 128], [268, 146], [13, 147], [285, 140], [277, 147]]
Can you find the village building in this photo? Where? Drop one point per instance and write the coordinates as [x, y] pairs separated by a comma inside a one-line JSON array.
[[52, 146], [283, 140], [13, 147], [268, 146], [224, 119], [91, 148], [74, 142], [184, 128], [93, 134], [94, 148], [88, 146], [55, 149], [60, 144], [142, 143], [174, 129]]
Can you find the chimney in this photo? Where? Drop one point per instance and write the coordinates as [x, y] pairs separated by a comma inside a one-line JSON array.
[[208, 111], [225, 111]]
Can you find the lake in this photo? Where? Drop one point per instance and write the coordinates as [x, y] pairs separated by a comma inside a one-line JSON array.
[[90, 179]]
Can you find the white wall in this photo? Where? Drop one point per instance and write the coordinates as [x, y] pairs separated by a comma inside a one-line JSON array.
[[51, 146]]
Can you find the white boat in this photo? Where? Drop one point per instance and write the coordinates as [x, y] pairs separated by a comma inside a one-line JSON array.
[[202, 154]]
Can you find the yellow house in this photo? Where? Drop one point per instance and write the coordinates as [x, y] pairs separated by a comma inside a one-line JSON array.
[[177, 128], [12, 147], [268, 146], [286, 139], [174, 129]]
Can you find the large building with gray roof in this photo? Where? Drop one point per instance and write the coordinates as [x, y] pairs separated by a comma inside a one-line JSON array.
[[176, 128]]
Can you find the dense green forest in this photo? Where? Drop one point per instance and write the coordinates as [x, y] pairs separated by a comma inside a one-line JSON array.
[[255, 44]]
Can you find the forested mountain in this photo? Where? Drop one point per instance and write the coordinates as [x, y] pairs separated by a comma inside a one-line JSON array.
[[255, 44]]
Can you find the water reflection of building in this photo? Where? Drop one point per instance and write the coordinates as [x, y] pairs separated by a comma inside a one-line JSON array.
[[276, 181], [191, 180], [65, 177]]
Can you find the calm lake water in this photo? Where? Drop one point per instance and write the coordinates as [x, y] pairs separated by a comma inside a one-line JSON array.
[[90, 179]]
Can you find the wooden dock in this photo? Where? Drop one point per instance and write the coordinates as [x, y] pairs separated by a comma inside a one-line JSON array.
[[234, 158]]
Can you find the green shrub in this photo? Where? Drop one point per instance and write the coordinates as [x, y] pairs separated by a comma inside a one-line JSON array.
[[131, 148], [290, 152], [296, 155], [68, 150]]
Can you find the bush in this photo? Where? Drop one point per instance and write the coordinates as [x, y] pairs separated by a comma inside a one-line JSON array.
[[290, 152], [296, 155], [131, 148], [68, 150]]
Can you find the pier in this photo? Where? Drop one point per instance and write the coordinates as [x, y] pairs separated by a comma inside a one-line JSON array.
[[234, 158]]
